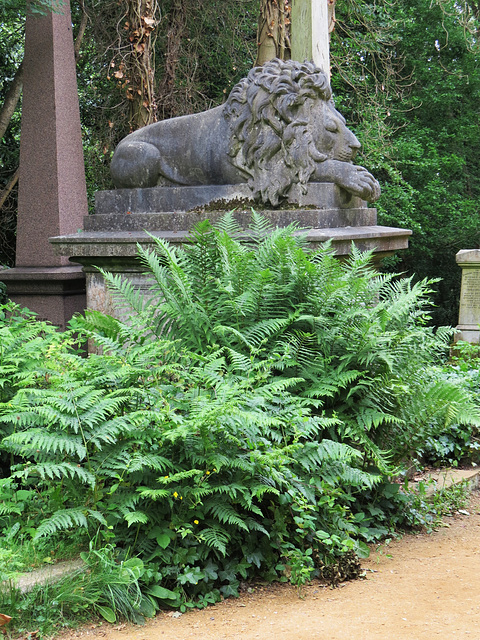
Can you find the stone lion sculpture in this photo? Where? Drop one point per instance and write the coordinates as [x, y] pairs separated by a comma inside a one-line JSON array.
[[278, 128]]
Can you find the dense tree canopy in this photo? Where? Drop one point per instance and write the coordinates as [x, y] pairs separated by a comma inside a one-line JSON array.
[[408, 75], [405, 75]]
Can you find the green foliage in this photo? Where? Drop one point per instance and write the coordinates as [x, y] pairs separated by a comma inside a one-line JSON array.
[[425, 509], [354, 341], [456, 442], [36, 6], [243, 421], [105, 585], [408, 76], [26, 348]]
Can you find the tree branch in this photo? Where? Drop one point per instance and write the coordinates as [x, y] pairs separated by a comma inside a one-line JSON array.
[[10, 184], [11, 100], [81, 30]]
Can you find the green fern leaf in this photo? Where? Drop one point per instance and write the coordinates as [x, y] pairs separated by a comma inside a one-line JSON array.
[[216, 538]]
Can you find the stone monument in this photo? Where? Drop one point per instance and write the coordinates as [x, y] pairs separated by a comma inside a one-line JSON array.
[[469, 316], [52, 197], [277, 145]]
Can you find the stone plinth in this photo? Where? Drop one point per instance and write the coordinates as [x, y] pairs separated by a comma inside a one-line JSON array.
[[54, 293], [318, 195], [127, 217], [469, 314], [52, 197]]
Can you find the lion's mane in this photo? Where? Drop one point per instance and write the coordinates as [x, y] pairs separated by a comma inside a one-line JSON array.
[[271, 140]]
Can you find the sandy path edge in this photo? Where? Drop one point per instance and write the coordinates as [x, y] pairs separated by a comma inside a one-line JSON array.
[[429, 587]]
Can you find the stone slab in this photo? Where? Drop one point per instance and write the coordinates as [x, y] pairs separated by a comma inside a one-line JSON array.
[[181, 221], [320, 195], [47, 574], [469, 312], [123, 244], [445, 478]]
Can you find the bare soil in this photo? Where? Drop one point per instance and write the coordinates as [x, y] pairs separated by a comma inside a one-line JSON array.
[[417, 588]]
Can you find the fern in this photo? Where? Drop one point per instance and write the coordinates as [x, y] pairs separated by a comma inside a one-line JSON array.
[[136, 517], [250, 399], [226, 514], [216, 538], [67, 519]]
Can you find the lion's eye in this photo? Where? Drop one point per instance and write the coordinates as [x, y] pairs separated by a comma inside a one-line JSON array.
[[331, 125]]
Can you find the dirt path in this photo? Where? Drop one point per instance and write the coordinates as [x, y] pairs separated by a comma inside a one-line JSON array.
[[428, 588]]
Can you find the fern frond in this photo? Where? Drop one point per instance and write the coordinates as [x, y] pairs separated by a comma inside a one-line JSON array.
[[57, 471], [226, 514], [67, 519], [39, 440], [153, 494], [227, 225], [136, 517], [216, 538], [124, 291]]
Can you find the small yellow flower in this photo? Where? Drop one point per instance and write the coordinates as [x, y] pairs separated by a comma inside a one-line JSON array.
[[196, 522], [207, 473], [175, 494], [181, 497], [165, 477]]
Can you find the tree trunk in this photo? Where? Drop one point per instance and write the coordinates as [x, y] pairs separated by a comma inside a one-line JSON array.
[[139, 66], [11, 100], [166, 88], [81, 30], [8, 189], [273, 34]]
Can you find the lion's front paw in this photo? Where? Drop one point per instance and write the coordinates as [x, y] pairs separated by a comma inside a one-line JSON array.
[[361, 183]]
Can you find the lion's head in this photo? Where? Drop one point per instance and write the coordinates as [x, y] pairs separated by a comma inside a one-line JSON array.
[[283, 123]]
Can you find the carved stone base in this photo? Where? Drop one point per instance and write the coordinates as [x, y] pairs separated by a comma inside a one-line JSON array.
[[126, 217], [223, 197]]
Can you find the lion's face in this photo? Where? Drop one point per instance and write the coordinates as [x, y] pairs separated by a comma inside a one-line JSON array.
[[330, 134]]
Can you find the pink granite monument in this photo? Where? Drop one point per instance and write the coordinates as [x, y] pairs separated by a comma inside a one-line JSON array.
[[52, 197]]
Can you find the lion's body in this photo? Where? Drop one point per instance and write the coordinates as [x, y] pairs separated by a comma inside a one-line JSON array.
[[192, 150], [278, 128]]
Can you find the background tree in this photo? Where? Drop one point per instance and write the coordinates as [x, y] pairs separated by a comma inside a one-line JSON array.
[[408, 76], [273, 33]]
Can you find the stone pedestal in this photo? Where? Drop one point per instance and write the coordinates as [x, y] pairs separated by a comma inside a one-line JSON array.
[[52, 197], [469, 314], [54, 293], [125, 217]]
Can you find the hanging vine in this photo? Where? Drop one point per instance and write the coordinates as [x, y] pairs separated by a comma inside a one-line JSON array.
[[273, 35], [133, 60], [176, 31]]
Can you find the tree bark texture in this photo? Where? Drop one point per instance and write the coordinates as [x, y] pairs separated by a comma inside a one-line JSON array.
[[273, 34], [138, 67]]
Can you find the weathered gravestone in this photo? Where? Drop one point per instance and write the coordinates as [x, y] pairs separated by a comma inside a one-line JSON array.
[[52, 197], [469, 315], [277, 145]]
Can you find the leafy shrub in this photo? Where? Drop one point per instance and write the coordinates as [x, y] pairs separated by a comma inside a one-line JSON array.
[[458, 442], [208, 475], [105, 585], [243, 421], [357, 341]]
